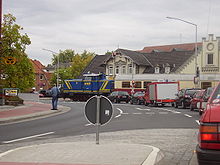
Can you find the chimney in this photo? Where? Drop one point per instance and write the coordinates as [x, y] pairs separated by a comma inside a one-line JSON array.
[[211, 37]]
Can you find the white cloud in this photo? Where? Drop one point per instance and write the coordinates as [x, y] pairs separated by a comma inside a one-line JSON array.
[[101, 25]]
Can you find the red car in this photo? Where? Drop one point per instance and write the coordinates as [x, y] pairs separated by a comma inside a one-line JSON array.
[[197, 97], [208, 148], [205, 97]]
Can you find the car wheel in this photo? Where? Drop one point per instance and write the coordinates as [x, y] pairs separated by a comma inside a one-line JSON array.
[[131, 102], [183, 105], [200, 112], [175, 105], [145, 103], [191, 107]]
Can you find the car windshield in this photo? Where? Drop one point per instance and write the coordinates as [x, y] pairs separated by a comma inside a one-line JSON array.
[[215, 98], [123, 93], [191, 92], [139, 94]]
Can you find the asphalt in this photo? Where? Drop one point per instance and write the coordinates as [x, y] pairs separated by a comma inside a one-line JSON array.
[[70, 153]]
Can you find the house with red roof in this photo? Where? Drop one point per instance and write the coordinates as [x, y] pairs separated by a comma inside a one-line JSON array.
[[42, 77]]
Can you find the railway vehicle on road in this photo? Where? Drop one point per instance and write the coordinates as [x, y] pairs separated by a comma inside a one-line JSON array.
[[91, 84]]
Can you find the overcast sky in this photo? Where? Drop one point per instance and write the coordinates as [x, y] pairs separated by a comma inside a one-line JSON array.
[[104, 25]]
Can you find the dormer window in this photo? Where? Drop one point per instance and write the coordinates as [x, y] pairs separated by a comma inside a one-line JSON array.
[[167, 69], [117, 70], [157, 69], [110, 70]]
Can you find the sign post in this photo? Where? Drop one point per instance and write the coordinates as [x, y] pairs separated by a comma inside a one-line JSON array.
[[98, 111], [98, 119]]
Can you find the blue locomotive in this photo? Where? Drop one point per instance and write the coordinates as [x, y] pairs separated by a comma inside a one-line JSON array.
[[91, 84]]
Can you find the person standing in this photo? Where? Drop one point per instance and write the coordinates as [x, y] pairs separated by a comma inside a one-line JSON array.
[[55, 95]]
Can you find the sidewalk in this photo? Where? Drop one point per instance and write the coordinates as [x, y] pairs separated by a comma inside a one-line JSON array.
[[29, 110], [81, 153], [71, 153]]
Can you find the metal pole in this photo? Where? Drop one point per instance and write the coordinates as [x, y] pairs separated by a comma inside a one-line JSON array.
[[196, 47], [98, 119], [0, 21], [58, 63]]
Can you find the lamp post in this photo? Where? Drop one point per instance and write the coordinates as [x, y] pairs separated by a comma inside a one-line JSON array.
[[196, 51], [58, 63]]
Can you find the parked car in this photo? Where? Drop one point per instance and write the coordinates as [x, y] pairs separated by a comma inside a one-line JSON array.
[[137, 98], [208, 148], [45, 93], [184, 97], [118, 96], [202, 104], [197, 97]]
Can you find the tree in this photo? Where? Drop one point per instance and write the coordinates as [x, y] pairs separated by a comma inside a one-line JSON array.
[[65, 56], [80, 61], [21, 74], [78, 64]]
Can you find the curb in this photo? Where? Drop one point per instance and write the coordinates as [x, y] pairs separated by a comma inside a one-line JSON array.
[[154, 157], [15, 119]]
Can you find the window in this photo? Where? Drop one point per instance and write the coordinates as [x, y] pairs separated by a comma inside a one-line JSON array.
[[138, 84], [145, 84], [110, 70], [167, 69], [210, 59], [41, 77], [137, 69], [130, 70], [157, 70], [123, 69], [117, 70], [126, 84], [206, 85]]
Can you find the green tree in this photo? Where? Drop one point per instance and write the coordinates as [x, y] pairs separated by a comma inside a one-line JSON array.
[[80, 61], [20, 75], [65, 56], [78, 64]]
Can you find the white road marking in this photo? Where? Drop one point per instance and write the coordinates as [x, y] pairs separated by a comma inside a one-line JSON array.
[[143, 109], [137, 113], [163, 113], [150, 113], [197, 121], [169, 110], [88, 124], [187, 115], [120, 110], [29, 137]]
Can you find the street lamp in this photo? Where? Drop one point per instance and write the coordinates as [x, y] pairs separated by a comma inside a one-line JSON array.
[[58, 63], [196, 51]]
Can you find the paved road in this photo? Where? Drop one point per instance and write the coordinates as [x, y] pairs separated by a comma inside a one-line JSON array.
[[125, 117], [172, 130]]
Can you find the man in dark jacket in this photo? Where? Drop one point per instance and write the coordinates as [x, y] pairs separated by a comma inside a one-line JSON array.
[[55, 94]]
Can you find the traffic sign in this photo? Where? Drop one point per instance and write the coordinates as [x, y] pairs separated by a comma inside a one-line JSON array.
[[10, 60], [99, 106]]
